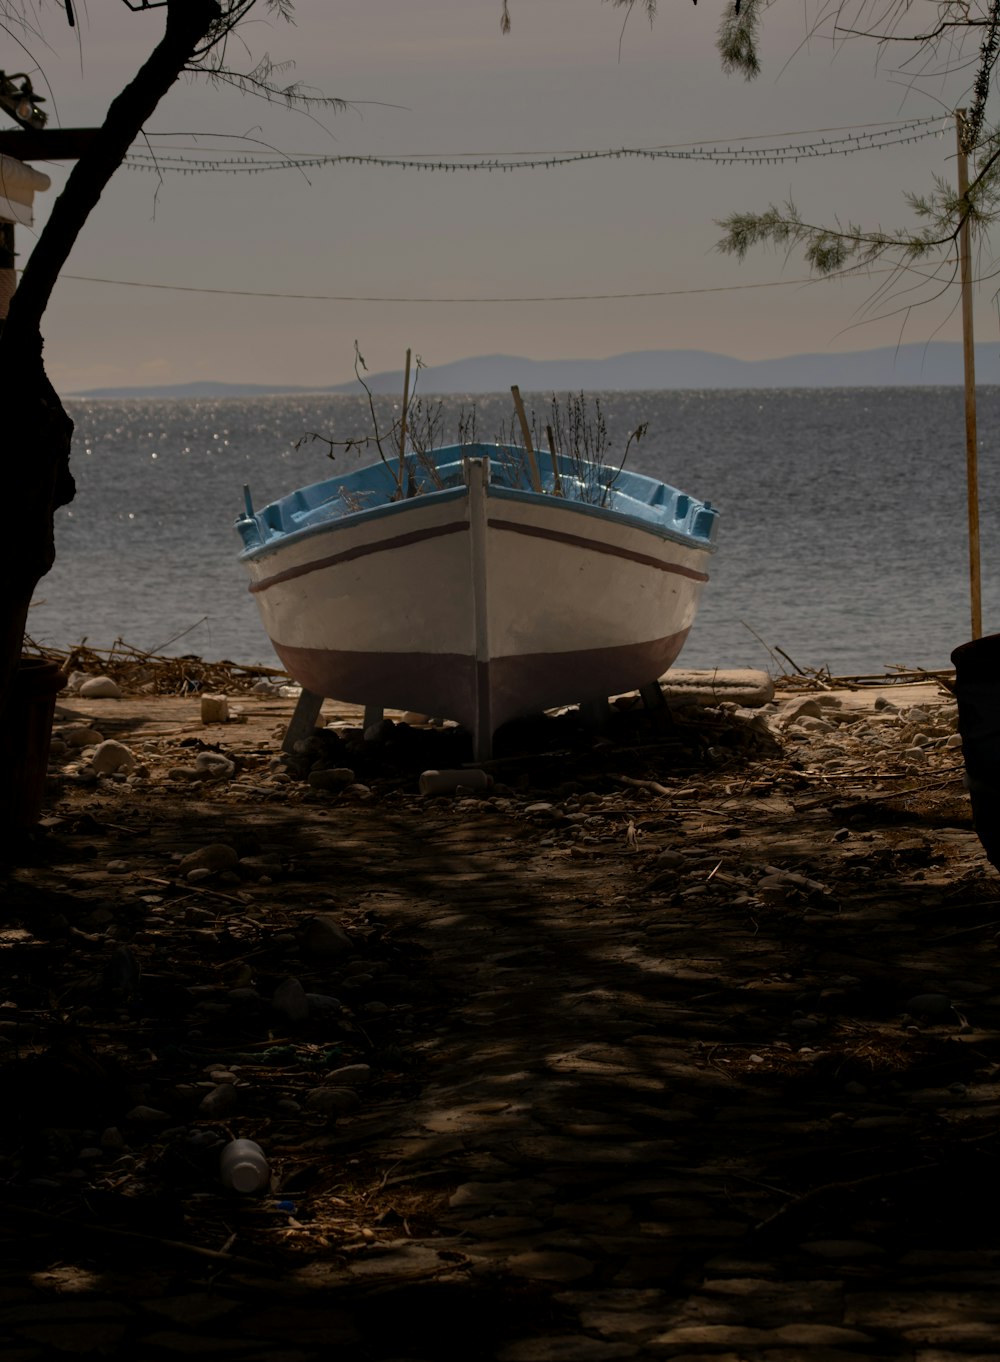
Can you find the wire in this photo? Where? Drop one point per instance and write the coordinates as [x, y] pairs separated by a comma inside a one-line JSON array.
[[534, 298], [893, 123]]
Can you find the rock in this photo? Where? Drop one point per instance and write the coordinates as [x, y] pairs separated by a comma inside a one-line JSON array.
[[214, 857], [741, 686], [331, 778], [322, 1003], [214, 766], [670, 860], [100, 688], [290, 999], [110, 756], [214, 709], [221, 1101], [350, 1076], [179, 773], [930, 1007], [801, 709], [82, 737], [323, 935], [332, 1101], [144, 1113]]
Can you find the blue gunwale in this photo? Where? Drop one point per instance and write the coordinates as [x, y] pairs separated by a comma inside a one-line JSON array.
[[634, 500]]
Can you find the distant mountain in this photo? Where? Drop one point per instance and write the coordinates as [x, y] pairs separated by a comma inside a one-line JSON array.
[[936, 363]]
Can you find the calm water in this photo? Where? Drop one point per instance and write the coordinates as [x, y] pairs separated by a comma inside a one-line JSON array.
[[843, 537]]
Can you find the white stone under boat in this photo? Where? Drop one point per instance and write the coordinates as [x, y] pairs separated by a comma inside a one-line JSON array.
[[453, 587]]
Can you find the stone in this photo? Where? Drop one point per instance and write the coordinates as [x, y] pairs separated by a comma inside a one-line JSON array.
[[333, 1101], [214, 766], [214, 709], [110, 756], [550, 1265], [323, 935], [221, 1101], [82, 737], [330, 778], [323, 1004], [290, 999], [350, 1076], [144, 1113], [801, 709], [100, 688], [930, 1007], [214, 857], [564, 1348], [743, 686]]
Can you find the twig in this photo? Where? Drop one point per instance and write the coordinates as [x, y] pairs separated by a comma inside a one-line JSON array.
[[653, 785], [193, 889], [792, 1209]]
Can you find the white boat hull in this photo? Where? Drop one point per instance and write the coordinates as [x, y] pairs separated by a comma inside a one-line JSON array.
[[478, 604]]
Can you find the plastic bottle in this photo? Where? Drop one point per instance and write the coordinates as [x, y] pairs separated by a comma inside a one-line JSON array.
[[243, 1166], [447, 782]]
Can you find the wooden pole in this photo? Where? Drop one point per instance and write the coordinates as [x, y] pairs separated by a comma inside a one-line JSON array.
[[515, 392], [969, 356], [402, 429]]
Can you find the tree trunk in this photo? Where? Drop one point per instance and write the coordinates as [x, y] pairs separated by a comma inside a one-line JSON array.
[[34, 456]]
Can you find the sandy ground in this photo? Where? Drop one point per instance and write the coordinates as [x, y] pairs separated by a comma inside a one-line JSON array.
[[682, 1039]]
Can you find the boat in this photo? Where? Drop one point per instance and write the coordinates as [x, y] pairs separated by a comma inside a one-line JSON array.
[[471, 584]]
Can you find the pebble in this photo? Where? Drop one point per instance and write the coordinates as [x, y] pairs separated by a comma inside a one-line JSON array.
[[351, 1075], [144, 1113], [214, 709], [214, 766], [930, 1007], [333, 1101], [331, 778], [82, 737], [322, 1002], [323, 935], [290, 999], [100, 688], [801, 709], [110, 756], [221, 1101], [213, 858]]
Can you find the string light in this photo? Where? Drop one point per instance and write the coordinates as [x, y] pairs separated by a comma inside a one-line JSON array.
[[247, 163]]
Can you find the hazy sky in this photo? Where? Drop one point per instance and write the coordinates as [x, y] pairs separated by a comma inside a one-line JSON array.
[[436, 77]]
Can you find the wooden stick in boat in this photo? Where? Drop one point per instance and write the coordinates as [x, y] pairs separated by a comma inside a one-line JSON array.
[[402, 429], [556, 479], [515, 392]]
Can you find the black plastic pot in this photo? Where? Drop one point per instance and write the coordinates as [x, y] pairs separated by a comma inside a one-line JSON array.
[[25, 734], [977, 690]]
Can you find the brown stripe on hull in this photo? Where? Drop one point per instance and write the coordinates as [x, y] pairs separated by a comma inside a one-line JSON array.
[[441, 684], [534, 681], [452, 686], [596, 546], [399, 541]]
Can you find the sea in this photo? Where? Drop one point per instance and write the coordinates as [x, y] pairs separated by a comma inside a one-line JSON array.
[[843, 541]]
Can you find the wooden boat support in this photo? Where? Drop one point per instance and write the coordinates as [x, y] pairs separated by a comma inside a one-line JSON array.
[[479, 599]]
